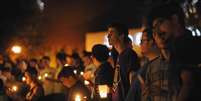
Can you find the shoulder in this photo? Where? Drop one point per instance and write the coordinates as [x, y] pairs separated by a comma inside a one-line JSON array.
[[154, 64], [106, 68]]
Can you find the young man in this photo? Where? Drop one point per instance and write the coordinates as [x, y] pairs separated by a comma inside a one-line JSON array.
[[150, 53], [128, 60], [183, 48], [164, 75], [77, 90]]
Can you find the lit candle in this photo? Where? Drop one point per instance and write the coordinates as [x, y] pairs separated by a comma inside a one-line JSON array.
[[16, 49], [77, 98], [66, 65], [81, 73], [103, 90], [39, 77], [46, 75], [86, 82], [23, 79], [75, 71], [14, 88]]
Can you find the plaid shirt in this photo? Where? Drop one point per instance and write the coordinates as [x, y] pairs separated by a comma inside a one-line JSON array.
[[158, 86]]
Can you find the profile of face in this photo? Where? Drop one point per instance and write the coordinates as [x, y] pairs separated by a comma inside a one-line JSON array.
[[112, 36], [145, 44], [28, 78], [22, 65], [87, 60], [162, 33]]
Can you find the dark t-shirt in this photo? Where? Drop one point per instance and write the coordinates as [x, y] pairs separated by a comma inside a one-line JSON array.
[[128, 61], [188, 49], [188, 55], [78, 89], [104, 74]]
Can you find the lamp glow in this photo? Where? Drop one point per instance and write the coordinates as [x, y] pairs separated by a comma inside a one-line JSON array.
[[16, 49]]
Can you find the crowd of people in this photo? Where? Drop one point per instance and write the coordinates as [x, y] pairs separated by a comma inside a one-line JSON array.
[[168, 70]]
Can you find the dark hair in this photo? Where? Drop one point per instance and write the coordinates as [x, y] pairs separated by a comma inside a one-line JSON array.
[[66, 72], [46, 58], [33, 60], [149, 32], [32, 73], [166, 11], [121, 28], [75, 55], [6, 69], [100, 52], [61, 56], [86, 54]]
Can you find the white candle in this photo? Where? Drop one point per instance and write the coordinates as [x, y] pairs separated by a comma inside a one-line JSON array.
[[77, 98], [103, 90]]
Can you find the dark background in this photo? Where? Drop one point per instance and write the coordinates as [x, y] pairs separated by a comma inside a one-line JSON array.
[[23, 20]]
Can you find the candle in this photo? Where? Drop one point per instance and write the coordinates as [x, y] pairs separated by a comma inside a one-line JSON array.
[[23, 79], [14, 88], [103, 90], [77, 98], [81, 73], [46, 75], [39, 77], [86, 82], [75, 71]]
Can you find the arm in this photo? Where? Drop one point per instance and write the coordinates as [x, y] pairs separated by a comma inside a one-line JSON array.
[[187, 85]]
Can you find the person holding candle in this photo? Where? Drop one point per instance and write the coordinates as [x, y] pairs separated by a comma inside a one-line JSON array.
[[104, 74], [77, 91]]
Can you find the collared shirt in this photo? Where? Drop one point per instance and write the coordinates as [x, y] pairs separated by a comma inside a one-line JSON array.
[[161, 84]]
